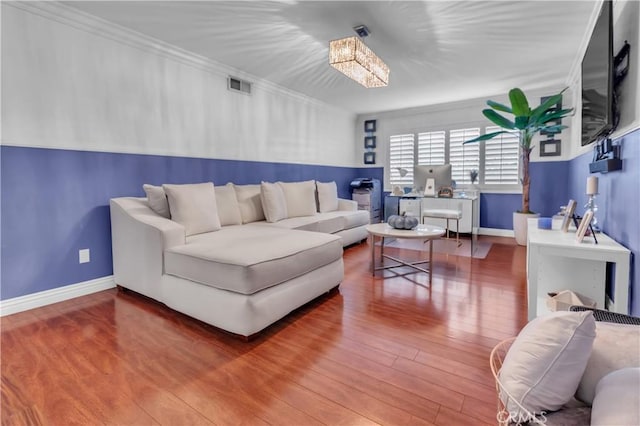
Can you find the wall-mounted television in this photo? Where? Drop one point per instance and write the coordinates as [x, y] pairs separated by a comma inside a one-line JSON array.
[[598, 103]]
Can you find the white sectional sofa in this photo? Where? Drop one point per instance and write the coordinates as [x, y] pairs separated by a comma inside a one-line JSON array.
[[238, 257]]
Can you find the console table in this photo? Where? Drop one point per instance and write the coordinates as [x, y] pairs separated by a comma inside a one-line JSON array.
[[556, 261]]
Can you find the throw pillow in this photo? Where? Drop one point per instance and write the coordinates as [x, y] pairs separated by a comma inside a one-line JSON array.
[[300, 198], [228, 208], [327, 197], [194, 207], [250, 202], [616, 346], [157, 199], [544, 365], [273, 202], [617, 397]]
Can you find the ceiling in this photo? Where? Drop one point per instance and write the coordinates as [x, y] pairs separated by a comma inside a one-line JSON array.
[[438, 51]]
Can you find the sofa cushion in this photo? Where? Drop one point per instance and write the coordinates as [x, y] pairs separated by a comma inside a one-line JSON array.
[[616, 346], [227, 203], [327, 196], [248, 258], [543, 367], [157, 199], [194, 207], [274, 203], [317, 223], [617, 398], [350, 218], [250, 203], [300, 198]]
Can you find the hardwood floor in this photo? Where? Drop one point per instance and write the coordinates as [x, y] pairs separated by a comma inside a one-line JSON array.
[[389, 351]]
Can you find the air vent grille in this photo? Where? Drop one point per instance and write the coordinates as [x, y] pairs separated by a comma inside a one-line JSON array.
[[236, 85]]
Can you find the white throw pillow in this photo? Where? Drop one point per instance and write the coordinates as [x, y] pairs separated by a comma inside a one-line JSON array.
[[544, 365], [616, 346], [300, 198], [194, 207], [327, 197], [228, 208], [617, 400], [250, 202], [273, 202], [157, 199]]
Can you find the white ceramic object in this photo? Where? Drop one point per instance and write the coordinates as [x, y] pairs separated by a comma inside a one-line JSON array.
[[520, 226]]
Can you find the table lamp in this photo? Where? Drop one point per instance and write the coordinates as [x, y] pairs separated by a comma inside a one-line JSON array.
[[592, 191]]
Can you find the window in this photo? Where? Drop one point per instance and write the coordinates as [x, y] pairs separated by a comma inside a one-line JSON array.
[[501, 155], [431, 148], [463, 158], [497, 160], [401, 156]]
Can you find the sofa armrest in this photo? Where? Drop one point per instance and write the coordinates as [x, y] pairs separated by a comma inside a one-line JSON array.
[[139, 238], [348, 205]]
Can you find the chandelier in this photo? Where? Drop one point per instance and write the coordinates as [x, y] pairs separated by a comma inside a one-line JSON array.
[[354, 59]]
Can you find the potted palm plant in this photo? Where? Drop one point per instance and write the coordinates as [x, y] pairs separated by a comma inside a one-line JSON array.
[[527, 122]]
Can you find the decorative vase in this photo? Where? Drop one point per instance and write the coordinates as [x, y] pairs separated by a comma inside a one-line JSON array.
[[520, 226]]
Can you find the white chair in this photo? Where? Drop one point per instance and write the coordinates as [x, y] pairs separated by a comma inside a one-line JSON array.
[[448, 214]]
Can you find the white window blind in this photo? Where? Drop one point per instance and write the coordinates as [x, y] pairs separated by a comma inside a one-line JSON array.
[[431, 148], [501, 158], [401, 154], [463, 158]]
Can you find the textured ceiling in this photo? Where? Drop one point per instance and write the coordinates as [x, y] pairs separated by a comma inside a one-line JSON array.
[[438, 51]]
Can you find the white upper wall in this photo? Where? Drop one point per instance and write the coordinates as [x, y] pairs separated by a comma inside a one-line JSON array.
[[71, 82]]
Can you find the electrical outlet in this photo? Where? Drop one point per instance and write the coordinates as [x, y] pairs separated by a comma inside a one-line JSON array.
[[84, 256]]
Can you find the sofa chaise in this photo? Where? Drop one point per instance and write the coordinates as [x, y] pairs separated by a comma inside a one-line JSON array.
[[238, 257]]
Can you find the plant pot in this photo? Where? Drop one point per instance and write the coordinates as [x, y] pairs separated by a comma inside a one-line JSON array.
[[520, 226]]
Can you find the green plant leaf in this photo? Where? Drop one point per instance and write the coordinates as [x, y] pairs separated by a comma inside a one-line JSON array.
[[553, 129], [485, 137], [519, 103], [555, 115], [499, 107], [496, 118], [522, 121], [550, 103]]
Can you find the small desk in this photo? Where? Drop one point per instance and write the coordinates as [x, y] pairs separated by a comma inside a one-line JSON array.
[[422, 232], [556, 261]]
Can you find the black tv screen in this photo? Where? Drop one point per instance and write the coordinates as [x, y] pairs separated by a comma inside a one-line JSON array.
[[597, 79]]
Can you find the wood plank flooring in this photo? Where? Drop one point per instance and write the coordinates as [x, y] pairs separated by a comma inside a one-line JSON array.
[[389, 351]]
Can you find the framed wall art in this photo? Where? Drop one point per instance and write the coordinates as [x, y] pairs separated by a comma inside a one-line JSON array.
[[370, 142], [369, 158]]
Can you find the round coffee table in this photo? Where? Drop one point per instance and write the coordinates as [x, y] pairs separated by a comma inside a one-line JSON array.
[[421, 232]]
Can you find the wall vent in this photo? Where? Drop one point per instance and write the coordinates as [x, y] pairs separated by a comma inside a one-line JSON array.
[[237, 85]]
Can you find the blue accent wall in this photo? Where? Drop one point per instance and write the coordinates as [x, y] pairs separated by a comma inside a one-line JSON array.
[[618, 203], [548, 192], [55, 202]]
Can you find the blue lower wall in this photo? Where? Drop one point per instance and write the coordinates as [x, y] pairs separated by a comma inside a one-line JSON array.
[[548, 192], [55, 202], [618, 203]]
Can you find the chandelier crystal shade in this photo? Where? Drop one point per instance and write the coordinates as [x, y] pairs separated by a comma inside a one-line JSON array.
[[354, 59]]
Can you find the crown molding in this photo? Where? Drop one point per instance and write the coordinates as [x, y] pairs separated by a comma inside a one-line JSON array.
[[91, 24]]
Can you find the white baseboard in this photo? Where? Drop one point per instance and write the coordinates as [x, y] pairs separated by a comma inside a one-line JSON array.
[[494, 232], [47, 297]]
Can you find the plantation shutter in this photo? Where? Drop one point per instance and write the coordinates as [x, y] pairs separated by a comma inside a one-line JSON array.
[[501, 158], [463, 158], [431, 148], [401, 154]]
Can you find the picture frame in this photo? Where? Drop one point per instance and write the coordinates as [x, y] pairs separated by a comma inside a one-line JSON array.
[[369, 158], [550, 147], [584, 225], [369, 142], [568, 215], [370, 126]]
